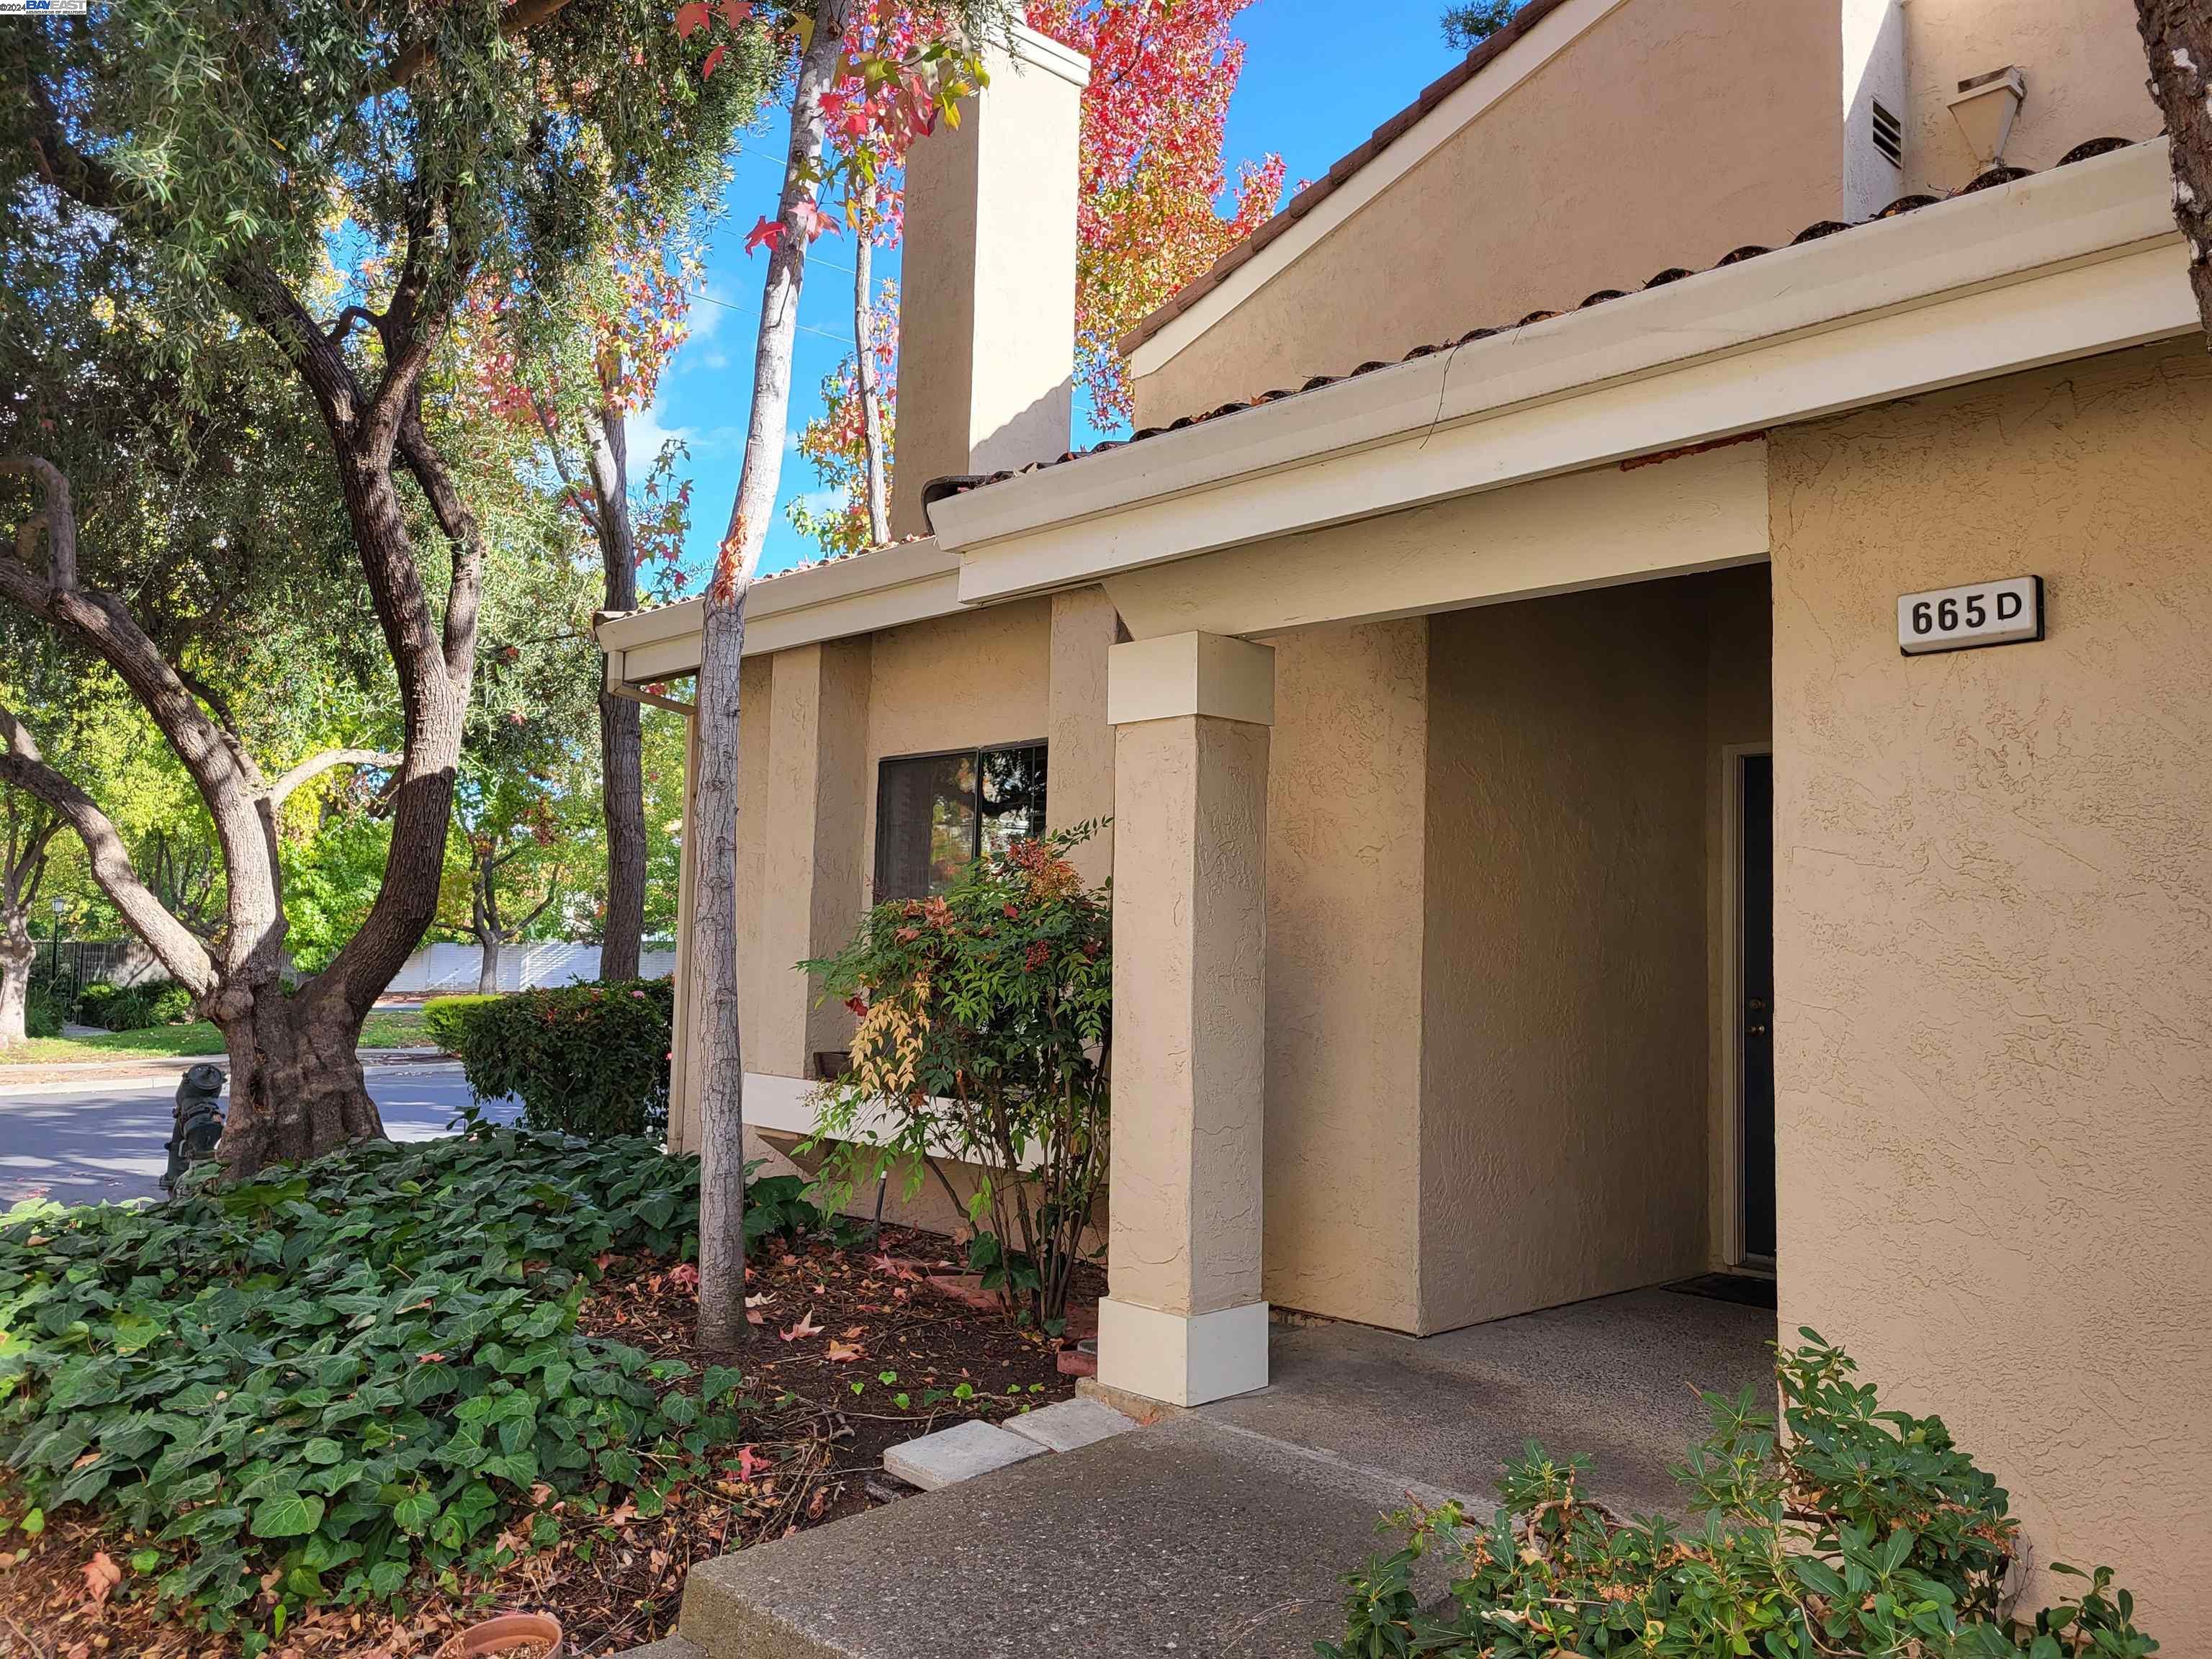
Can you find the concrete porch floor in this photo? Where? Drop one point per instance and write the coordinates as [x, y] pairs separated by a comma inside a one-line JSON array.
[[1223, 1531]]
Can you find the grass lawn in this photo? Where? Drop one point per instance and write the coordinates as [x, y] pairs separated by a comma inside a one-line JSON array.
[[395, 1028]]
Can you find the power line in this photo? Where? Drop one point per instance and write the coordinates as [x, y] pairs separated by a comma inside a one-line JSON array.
[[754, 311]]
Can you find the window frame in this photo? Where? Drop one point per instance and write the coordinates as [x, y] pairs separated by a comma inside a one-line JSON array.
[[974, 751]]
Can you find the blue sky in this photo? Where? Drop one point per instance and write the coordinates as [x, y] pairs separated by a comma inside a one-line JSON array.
[[1312, 89]]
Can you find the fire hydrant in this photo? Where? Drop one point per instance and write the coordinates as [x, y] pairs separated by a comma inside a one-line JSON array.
[[198, 1123]]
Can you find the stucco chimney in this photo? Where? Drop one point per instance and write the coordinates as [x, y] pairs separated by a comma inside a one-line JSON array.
[[986, 287]]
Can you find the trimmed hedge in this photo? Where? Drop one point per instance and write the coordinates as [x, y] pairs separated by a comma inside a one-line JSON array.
[[587, 1060], [446, 1017]]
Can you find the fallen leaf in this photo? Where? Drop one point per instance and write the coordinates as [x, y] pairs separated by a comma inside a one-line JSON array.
[[805, 1327], [755, 1317], [840, 1352], [761, 1300], [102, 1574]]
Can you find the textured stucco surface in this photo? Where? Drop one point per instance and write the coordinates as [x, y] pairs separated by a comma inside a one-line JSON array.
[[1994, 948], [1189, 1000], [1081, 756], [987, 307], [1725, 112], [1563, 1124], [756, 679], [2083, 61], [1348, 771], [820, 781]]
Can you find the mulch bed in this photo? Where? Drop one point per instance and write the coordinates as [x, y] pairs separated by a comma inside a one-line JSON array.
[[853, 1350]]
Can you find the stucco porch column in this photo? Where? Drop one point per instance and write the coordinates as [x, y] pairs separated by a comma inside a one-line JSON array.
[[1183, 1320]]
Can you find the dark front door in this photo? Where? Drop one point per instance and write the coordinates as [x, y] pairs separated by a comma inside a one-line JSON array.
[[1757, 978]]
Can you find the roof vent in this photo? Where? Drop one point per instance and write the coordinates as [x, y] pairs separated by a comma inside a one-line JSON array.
[[1888, 135]]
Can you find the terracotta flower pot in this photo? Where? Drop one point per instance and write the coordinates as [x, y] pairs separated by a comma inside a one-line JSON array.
[[496, 1638]]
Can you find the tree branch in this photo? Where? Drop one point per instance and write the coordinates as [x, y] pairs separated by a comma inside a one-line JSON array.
[[21, 764], [522, 16], [316, 765], [57, 517]]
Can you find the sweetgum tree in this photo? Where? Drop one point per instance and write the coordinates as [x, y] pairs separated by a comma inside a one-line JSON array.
[[320, 180]]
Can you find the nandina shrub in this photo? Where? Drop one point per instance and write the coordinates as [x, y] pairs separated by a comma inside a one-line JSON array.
[[1863, 1533], [587, 1059], [305, 1389], [986, 1025]]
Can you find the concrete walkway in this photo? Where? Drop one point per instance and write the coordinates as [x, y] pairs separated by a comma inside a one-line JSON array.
[[1224, 1532]]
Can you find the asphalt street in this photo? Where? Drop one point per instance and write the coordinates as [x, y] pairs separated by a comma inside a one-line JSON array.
[[105, 1138]]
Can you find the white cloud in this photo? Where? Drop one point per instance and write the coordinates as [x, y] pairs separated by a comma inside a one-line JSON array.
[[646, 435]]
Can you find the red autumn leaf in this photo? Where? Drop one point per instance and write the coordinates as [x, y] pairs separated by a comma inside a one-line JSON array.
[[691, 18], [102, 1574], [751, 1463], [713, 59], [805, 1327], [684, 1276], [767, 232], [812, 219], [734, 12]]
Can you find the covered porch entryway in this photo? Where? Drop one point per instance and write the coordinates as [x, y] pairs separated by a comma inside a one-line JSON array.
[[1443, 963]]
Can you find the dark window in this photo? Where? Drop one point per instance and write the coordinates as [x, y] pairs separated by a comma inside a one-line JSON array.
[[935, 813]]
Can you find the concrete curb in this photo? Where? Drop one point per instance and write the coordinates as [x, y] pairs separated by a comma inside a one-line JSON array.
[[89, 1073]]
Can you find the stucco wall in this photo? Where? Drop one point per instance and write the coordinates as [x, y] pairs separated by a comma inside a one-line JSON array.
[[755, 693], [1670, 133], [2083, 61], [1563, 1123], [1994, 950], [1346, 782]]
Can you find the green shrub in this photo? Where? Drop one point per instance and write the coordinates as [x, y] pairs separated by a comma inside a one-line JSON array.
[[339, 1374], [133, 1007], [585, 1060], [985, 1023], [1868, 1532], [44, 1011], [446, 1017]]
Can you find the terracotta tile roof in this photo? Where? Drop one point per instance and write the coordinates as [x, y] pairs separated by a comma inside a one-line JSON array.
[[1306, 200], [938, 490]]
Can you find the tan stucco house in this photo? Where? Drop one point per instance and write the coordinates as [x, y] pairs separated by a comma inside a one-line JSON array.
[[1546, 859]]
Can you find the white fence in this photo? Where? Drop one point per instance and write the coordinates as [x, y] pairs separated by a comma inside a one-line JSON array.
[[444, 970]]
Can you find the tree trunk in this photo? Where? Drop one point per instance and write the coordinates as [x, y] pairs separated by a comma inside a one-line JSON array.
[[621, 763], [296, 1089], [715, 792], [19, 952], [864, 369], [2177, 36]]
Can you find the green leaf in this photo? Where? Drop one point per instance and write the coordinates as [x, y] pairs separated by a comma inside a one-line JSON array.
[[413, 1514], [286, 1515], [322, 1451], [619, 1466]]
